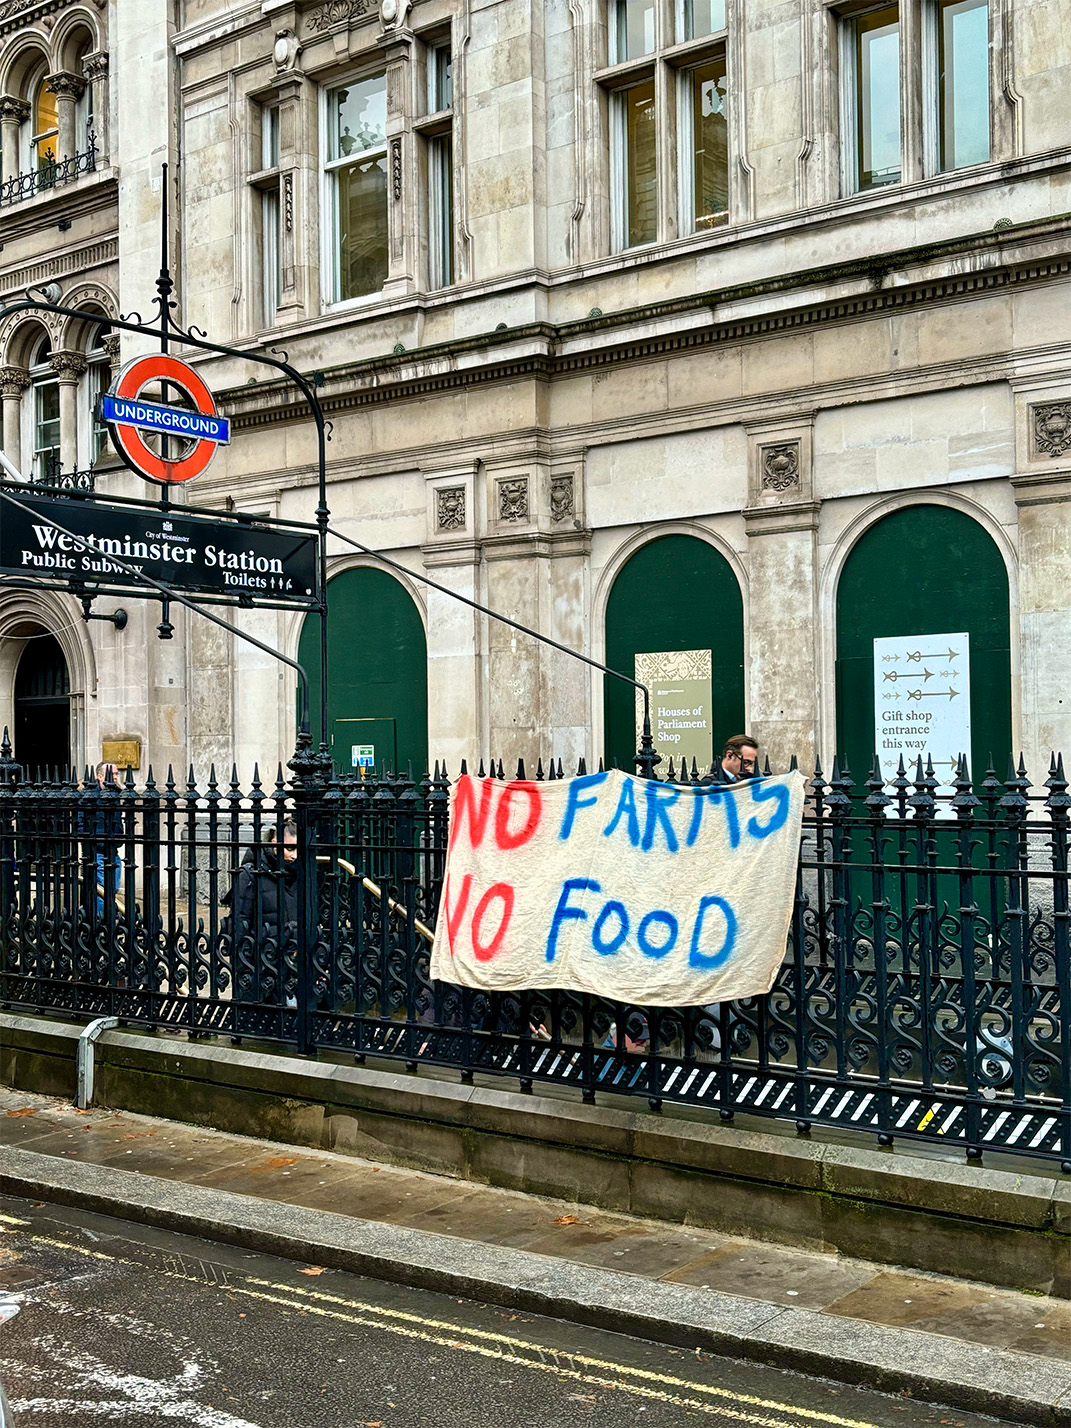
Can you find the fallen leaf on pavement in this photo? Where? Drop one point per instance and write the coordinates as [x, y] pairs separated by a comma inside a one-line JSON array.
[[312, 1269], [275, 1162], [26, 1111], [567, 1220]]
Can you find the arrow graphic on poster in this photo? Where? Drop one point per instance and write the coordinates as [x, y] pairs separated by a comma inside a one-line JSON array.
[[918, 694], [891, 694], [917, 674], [890, 659]]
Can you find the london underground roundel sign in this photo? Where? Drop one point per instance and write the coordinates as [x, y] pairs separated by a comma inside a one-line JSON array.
[[193, 433]]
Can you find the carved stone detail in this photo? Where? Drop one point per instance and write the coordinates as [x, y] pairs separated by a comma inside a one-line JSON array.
[[394, 13], [781, 466], [288, 202], [13, 381], [561, 498], [285, 50], [450, 508], [65, 86], [68, 366], [95, 66], [338, 12], [15, 110], [396, 168], [1051, 425], [513, 499], [111, 344]]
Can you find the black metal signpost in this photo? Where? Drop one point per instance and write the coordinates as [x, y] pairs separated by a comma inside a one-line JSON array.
[[93, 546]]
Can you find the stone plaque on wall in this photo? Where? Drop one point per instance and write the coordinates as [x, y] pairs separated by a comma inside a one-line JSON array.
[[681, 704]]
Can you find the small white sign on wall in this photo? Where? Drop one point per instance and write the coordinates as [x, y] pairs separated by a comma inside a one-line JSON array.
[[922, 703]]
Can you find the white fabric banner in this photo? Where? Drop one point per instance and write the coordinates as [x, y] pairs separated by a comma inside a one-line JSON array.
[[631, 889]]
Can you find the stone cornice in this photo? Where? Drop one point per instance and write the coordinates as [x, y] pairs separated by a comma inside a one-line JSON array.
[[543, 350], [14, 14], [76, 260]]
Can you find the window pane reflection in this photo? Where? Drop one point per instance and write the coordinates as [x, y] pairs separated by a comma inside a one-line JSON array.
[[877, 63], [703, 17], [634, 29], [964, 60], [711, 137], [358, 119], [362, 228], [641, 175]]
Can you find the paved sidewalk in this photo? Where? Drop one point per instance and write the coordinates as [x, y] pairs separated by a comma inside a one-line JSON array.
[[975, 1346]]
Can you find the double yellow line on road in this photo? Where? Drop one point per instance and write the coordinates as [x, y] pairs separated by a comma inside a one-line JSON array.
[[711, 1399]]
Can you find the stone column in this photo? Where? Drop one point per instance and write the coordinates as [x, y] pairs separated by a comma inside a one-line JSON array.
[[535, 554], [68, 89], [452, 557], [403, 200], [781, 520], [68, 366], [13, 382], [95, 72], [297, 176], [13, 113]]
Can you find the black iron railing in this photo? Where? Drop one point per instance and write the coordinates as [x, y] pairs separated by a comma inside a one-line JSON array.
[[52, 474], [50, 173], [925, 991]]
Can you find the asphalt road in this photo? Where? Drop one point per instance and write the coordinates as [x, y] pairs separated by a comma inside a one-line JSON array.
[[120, 1325]]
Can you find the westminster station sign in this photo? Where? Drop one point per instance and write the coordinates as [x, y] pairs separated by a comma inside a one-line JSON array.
[[272, 564]]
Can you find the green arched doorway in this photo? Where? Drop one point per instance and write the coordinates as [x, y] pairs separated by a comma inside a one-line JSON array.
[[377, 661], [675, 594], [923, 571]]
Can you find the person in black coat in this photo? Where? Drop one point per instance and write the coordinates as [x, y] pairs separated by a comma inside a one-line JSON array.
[[264, 909]]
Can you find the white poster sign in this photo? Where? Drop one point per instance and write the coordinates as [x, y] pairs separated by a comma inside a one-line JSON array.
[[922, 703], [640, 891]]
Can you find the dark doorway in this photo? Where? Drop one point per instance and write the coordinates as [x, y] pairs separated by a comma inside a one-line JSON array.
[[42, 708]]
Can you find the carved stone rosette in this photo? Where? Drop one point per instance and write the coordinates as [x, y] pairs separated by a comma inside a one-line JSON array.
[[561, 499], [513, 499], [450, 508], [781, 466], [1051, 425]]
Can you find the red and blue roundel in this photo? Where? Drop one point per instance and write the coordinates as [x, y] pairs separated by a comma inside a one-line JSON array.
[[127, 415]]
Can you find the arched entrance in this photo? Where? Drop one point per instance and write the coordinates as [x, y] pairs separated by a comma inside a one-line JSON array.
[[42, 708], [377, 659], [677, 603], [923, 571]]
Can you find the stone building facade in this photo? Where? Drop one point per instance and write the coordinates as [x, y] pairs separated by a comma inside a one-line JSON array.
[[661, 326]]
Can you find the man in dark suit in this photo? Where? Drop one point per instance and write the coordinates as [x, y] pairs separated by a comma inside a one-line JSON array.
[[739, 760]]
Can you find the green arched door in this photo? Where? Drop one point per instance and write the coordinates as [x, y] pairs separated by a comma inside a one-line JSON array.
[[377, 661], [675, 594], [923, 571]]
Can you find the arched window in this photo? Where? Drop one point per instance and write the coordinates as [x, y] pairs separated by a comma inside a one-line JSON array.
[[44, 413], [675, 621], [96, 382], [44, 127]]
